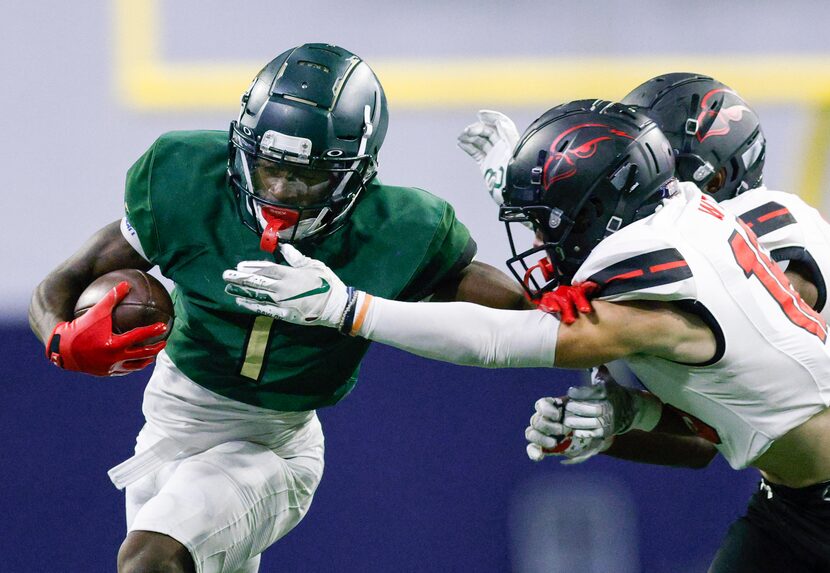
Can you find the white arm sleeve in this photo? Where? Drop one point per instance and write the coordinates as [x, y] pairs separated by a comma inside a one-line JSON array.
[[463, 333]]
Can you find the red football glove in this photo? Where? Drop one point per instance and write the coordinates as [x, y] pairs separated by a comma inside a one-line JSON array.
[[568, 300], [87, 344]]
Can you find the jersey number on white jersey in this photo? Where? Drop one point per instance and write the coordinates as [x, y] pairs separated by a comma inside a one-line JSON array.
[[755, 262]]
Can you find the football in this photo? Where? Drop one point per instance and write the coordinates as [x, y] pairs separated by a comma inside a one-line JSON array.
[[147, 302]]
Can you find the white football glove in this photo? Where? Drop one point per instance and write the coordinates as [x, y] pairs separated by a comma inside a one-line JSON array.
[[548, 436], [490, 141], [605, 408], [304, 292]]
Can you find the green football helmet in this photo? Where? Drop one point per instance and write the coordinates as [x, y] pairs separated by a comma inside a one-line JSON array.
[[306, 143]]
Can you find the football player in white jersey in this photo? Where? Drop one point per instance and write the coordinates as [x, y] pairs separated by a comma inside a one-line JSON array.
[[719, 146], [684, 295]]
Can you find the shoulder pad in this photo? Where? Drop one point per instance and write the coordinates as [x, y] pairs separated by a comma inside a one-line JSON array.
[[636, 264]]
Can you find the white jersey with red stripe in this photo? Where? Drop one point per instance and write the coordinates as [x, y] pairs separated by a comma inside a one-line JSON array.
[[771, 371], [792, 231]]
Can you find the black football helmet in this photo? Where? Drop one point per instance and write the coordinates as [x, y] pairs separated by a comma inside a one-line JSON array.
[[306, 142], [580, 172], [717, 137]]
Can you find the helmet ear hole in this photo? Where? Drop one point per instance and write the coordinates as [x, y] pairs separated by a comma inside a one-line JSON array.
[[718, 180], [590, 212]]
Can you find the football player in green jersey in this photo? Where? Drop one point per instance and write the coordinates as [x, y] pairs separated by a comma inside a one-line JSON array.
[[232, 450]]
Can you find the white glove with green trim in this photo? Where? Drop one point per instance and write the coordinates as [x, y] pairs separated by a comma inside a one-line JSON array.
[[490, 141], [303, 292]]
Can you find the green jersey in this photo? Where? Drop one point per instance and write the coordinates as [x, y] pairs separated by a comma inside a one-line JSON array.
[[398, 243]]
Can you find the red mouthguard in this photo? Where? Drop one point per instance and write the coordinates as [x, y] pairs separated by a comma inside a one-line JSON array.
[[278, 219]]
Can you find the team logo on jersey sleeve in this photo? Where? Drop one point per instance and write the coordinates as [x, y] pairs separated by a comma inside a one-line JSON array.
[[573, 145]]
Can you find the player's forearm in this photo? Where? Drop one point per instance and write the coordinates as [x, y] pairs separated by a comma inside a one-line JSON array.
[[669, 442], [483, 284], [662, 449], [461, 333], [53, 300]]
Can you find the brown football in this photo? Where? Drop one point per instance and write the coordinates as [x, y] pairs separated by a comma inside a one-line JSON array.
[[147, 302]]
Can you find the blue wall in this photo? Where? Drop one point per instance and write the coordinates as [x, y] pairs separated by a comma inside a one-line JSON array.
[[425, 466]]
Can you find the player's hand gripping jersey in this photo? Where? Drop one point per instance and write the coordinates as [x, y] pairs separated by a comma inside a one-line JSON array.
[[771, 371], [181, 215], [791, 230]]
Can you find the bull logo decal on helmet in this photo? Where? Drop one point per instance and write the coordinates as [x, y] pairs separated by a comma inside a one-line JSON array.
[[587, 138], [719, 125]]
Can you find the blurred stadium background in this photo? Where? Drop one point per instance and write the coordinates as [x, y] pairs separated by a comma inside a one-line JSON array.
[[426, 465]]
